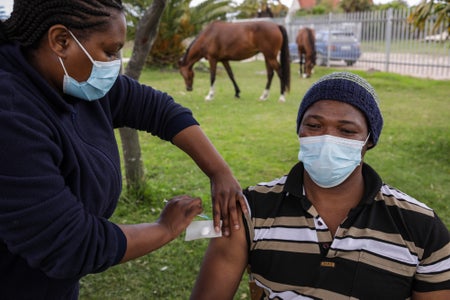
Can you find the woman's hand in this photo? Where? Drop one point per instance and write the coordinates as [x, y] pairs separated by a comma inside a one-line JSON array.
[[225, 189], [146, 237], [226, 193], [179, 213]]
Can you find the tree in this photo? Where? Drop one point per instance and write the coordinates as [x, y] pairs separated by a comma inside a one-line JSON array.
[[146, 20], [180, 21], [207, 11], [249, 8], [395, 4], [355, 5], [439, 9], [174, 27], [145, 34]]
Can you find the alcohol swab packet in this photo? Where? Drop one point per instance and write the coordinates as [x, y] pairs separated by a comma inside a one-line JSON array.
[[201, 230]]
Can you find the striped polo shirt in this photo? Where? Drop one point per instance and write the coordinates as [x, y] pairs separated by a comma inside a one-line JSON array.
[[389, 245]]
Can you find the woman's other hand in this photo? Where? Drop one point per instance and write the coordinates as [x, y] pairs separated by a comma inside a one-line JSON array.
[[179, 213]]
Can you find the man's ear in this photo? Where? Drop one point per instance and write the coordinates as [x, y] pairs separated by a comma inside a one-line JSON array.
[[58, 39], [368, 146]]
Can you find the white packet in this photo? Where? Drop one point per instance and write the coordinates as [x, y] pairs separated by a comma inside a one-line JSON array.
[[201, 229]]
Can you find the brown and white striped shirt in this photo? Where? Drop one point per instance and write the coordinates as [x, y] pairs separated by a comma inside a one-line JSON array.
[[388, 246]]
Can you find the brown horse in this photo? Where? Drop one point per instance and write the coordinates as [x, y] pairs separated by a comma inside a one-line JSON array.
[[222, 41], [306, 42]]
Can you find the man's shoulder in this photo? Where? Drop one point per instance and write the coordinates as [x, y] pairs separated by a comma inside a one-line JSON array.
[[274, 186], [391, 196], [291, 183]]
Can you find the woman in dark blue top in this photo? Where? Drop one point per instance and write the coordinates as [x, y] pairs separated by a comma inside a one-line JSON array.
[[60, 100]]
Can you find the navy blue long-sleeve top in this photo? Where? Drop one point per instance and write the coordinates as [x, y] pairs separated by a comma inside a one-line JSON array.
[[60, 176]]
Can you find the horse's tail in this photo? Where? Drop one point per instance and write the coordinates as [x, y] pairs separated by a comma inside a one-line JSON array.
[[284, 60], [312, 42]]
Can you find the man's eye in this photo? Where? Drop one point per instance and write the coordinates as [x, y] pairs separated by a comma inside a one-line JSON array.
[[312, 125], [347, 131]]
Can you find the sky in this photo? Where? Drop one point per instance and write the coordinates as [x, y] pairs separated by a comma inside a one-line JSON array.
[[7, 4]]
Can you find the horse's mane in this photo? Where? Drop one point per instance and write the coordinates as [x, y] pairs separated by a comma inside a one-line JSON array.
[[183, 59]]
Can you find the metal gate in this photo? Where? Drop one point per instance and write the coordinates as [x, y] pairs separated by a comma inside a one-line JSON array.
[[388, 42]]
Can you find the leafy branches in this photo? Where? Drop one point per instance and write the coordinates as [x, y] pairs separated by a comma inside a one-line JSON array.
[[439, 9]]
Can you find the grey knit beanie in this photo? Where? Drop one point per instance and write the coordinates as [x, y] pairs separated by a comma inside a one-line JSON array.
[[349, 88]]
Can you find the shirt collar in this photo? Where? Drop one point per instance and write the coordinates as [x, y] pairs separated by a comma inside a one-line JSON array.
[[372, 182]]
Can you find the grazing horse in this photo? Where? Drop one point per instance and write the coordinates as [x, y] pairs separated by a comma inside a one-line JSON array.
[[222, 41], [306, 42]]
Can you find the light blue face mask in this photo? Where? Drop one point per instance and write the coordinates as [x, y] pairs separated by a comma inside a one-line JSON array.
[[102, 78], [329, 160]]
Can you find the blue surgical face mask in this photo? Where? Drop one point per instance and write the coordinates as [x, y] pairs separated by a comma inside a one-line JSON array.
[[102, 78], [329, 160]]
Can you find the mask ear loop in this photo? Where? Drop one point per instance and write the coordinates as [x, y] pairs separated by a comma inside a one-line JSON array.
[[81, 46], [62, 64], [367, 139]]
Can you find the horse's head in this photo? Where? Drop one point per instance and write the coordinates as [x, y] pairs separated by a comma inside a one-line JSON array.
[[187, 73]]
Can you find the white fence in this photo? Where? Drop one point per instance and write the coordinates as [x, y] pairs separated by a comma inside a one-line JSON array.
[[388, 42]]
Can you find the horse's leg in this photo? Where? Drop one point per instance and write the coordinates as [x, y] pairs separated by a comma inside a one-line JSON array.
[[301, 64], [308, 66], [227, 66], [212, 79], [274, 65], [210, 95], [269, 69]]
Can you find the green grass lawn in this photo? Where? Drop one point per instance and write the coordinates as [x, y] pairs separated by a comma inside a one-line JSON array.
[[259, 142]]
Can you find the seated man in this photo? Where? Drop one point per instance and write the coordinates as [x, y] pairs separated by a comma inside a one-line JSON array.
[[331, 229]]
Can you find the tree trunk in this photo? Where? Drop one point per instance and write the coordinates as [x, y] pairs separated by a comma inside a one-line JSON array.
[[131, 150], [146, 32]]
